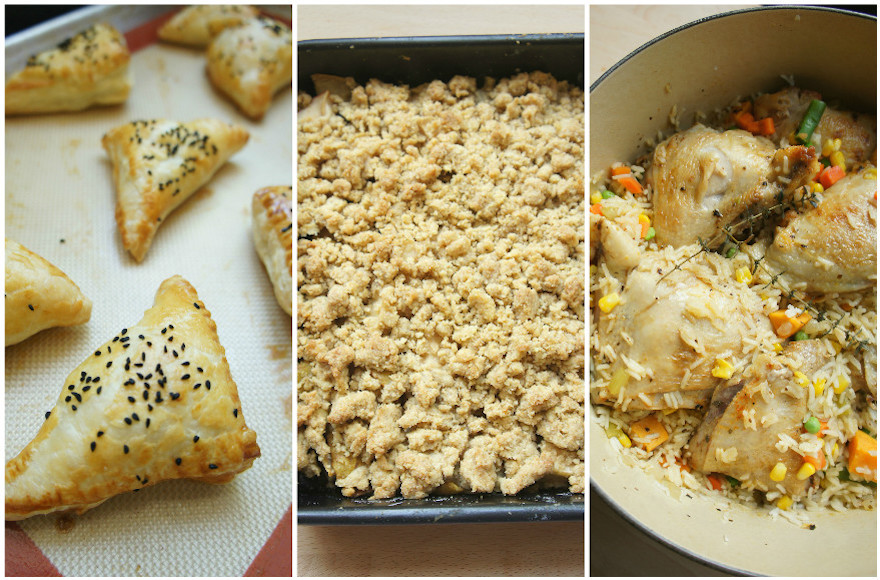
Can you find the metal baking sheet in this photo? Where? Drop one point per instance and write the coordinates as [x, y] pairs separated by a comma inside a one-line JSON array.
[[413, 61]]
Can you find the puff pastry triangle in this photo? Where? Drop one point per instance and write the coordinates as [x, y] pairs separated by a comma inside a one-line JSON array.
[[158, 164], [156, 402], [251, 62], [88, 69], [272, 214], [197, 25], [38, 295]]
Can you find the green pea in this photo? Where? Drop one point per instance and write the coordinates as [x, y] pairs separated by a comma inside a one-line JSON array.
[[812, 425], [650, 233], [731, 252], [607, 194], [800, 335]]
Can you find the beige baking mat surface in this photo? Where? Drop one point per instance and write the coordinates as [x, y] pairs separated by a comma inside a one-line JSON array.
[[60, 203]]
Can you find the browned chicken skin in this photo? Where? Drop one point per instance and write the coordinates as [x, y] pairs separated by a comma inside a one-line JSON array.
[[669, 320], [756, 454], [833, 247], [704, 180]]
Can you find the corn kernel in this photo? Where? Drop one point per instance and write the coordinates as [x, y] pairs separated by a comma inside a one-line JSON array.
[[778, 472], [806, 470], [618, 381], [784, 502], [800, 378], [870, 173], [723, 369], [819, 386], [834, 451], [744, 275], [838, 159], [644, 219], [777, 347], [625, 440], [595, 198], [608, 302], [817, 187], [842, 385], [828, 147]]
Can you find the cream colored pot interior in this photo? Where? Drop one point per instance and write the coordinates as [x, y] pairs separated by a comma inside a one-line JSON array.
[[702, 67]]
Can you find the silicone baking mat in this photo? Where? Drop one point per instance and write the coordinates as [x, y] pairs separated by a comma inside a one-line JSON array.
[[60, 203]]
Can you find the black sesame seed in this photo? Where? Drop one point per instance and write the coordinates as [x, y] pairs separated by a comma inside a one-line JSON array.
[[129, 382], [99, 390], [135, 417], [115, 338], [131, 399], [185, 363], [31, 306], [70, 387], [127, 421], [196, 386], [124, 330], [164, 330], [78, 397], [148, 377], [171, 339], [67, 399], [140, 376], [96, 379], [109, 364], [174, 396], [73, 407], [174, 352], [184, 377], [200, 369], [208, 385], [86, 388], [149, 407], [196, 439], [48, 413], [148, 422], [141, 336], [212, 466], [100, 433], [93, 445], [235, 413], [196, 304], [178, 461], [125, 450], [97, 353]]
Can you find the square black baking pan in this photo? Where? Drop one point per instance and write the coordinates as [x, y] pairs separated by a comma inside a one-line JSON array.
[[413, 61]]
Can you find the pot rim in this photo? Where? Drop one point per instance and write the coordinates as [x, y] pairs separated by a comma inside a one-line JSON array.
[[678, 29]]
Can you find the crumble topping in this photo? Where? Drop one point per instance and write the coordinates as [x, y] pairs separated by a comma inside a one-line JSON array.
[[440, 276]]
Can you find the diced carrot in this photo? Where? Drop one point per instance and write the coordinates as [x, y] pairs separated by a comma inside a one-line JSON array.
[[766, 126], [823, 426], [745, 120], [596, 208], [621, 170], [785, 326], [831, 175], [714, 481], [648, 433], [645, 228], [818, 462], [631, 184], [862, 462]]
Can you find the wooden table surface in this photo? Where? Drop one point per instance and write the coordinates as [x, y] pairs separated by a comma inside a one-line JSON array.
[[509, 549]]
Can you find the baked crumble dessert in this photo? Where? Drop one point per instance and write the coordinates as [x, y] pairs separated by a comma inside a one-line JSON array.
[[440, 286]]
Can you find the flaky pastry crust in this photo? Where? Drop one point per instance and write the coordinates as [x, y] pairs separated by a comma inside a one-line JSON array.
[[156, 402]]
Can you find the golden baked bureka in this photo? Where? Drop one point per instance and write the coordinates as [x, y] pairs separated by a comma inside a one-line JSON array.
[[38, 295], [158, 164], [88, 69], [197, 25], [272, 214], [156, 402], [252, 62]]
